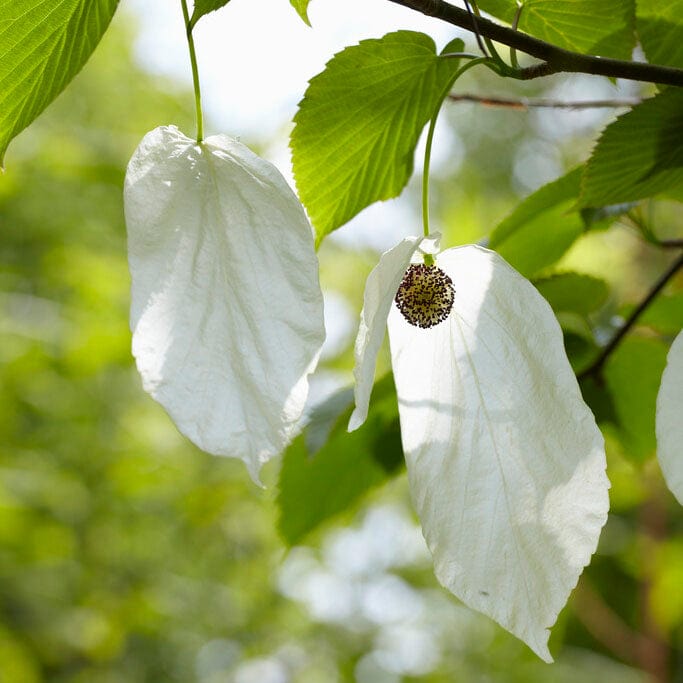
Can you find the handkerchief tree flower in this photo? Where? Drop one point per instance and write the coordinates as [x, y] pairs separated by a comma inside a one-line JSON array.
[[505, 461], [226, 311]]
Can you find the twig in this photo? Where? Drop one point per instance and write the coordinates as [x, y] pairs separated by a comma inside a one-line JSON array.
[[596, 366], [555, 59], [670, 244], [653, 653], [476, 30], [524, 103]]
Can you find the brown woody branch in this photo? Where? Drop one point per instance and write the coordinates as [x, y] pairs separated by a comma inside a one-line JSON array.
[[554, 59], [596, 366], [524, 103]]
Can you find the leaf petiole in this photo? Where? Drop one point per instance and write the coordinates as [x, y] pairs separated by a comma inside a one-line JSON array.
[[515, 25]]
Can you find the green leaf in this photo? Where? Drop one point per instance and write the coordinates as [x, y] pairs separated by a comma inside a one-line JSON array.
[[540, 229], [579, 341], [580, 349], [203, 7], [314, 486], [301, 6], [664, 314], [359, 122], [502, 9], [601, 217], [604, 28], [598, 398], [638, 155], [573, 292], [44, 45], [633, 373], [660, 29]]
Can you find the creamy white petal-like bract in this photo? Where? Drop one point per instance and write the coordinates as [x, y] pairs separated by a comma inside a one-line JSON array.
[[385, 277], [505, 461], [670, 420], [226, 311]]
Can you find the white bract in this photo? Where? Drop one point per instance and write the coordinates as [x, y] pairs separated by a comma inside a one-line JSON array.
[[670, 420], [505, 461], [226, 312]]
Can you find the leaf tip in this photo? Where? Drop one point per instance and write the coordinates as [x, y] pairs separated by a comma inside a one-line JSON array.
[[301, 7]]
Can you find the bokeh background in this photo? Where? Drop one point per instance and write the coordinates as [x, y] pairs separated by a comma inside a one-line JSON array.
[[127, 555]]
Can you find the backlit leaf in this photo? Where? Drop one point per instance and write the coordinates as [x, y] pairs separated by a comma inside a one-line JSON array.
[[301, 6], [574, 292], [359, 122], [44, 45], [603, 28], [638, 155], [633, 374], [203, 7], [665, 313], [540, 229], [660, 30]]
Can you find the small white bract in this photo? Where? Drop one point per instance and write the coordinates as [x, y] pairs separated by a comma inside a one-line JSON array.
[[505, 461], [226, 312], [670, 420]]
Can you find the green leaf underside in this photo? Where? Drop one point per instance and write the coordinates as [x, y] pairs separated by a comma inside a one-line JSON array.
[[599, 399], [203, 7], [605, 28], [604, 215], [579, 349], [301, 6], [579, 340], [638, 155], [540, 229], [44, 44], [573, 292], [633, 373], [359, 122], [315, 486], [660, 30]]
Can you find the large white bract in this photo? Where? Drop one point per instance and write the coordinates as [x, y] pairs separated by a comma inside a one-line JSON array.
[[226, 312], [670, 420], [505, 461]]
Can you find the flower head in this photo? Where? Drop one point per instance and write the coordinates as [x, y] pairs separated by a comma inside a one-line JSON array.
[[505, 461], [226, 312], [425, 295]]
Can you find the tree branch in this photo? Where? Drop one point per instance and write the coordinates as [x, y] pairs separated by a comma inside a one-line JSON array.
[[524, 103], [554, 59], [603, 623], [670, 244], [596, 366]]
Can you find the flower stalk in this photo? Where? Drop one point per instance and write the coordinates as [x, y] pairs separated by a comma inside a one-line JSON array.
[[428, 258], [195, 72]]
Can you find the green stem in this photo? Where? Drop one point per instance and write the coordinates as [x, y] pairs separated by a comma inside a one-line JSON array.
[[428, 146], [195, 73], [515, 24], [489, 43]]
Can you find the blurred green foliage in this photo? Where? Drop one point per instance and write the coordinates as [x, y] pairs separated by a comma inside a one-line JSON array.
[[126, 555]]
